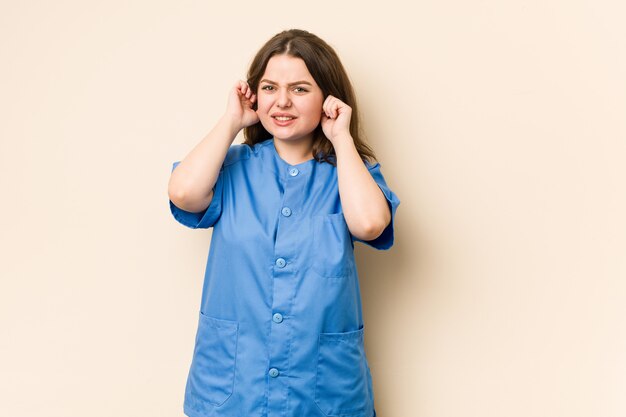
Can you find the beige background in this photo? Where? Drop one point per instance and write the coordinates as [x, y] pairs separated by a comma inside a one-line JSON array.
[[500, 126]]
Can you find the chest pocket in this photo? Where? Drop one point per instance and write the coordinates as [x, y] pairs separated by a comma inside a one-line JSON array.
[[212, 373], [333, 250]]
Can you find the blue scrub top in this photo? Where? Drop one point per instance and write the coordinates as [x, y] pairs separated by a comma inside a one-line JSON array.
[[280, 328]]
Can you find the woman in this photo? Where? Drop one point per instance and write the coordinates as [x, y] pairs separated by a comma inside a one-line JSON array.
[[280, 325]]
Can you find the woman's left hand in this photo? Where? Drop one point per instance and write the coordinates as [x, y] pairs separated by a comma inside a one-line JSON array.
[[335, 118]]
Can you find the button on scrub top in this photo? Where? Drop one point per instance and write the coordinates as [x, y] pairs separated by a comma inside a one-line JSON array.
[[280, 328]]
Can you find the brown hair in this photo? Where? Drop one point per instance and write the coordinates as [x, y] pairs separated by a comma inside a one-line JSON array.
[[326, 69]]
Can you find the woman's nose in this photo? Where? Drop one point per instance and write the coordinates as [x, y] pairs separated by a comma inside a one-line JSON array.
[[283, 98]]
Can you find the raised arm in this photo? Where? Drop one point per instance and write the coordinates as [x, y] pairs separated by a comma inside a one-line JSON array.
[[191, 184], [364, 205]]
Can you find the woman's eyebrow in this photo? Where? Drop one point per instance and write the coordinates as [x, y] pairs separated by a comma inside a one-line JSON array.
[[290, 84]]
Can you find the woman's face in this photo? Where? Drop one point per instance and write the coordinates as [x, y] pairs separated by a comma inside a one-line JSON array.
[[289, 102]]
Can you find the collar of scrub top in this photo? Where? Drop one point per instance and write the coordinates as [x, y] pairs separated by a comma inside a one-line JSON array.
[[303, 167]]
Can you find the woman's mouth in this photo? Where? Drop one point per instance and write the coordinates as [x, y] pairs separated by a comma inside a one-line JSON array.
[[283, 120]]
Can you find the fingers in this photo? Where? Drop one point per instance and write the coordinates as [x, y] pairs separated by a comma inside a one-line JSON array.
[[326, 106], [244, 90], [333, 106]]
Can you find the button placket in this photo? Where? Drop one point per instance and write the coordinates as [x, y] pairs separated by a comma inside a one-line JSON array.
[[284, 285]]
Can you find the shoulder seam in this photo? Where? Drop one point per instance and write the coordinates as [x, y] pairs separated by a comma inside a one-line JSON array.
[[239, 157], [371, 166]]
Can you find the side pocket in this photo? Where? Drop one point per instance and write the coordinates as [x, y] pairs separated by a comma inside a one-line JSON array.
[[342, 381], [333, 255], [212, 374]]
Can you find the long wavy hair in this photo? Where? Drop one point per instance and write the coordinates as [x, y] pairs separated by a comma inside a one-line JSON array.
[[326, 69]]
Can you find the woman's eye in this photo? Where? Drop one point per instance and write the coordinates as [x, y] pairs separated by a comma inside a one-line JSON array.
[[272, 88]]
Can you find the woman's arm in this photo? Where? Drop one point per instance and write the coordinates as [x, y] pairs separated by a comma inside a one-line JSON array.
[[191, 184], [364, 205]]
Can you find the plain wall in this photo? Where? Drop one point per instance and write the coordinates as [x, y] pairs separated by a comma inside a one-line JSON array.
[[500, 126]]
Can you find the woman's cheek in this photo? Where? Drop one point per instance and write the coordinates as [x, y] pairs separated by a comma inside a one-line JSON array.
[[266, 122]]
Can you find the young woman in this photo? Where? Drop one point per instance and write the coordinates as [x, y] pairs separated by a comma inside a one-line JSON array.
[[280, 329]]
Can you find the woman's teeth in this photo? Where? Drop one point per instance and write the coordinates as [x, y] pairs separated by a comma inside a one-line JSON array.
[[283, 118]]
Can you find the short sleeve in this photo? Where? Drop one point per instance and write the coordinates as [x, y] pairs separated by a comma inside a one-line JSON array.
[[385, 240], [208, 216]]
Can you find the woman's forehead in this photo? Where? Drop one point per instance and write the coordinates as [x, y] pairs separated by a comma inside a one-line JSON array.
[[287, 69]]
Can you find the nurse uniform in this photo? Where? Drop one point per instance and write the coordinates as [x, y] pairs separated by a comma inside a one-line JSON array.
[[280, 327]]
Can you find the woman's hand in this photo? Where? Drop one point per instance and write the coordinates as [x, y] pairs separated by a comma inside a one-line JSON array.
[[239, 109], [335, 118]]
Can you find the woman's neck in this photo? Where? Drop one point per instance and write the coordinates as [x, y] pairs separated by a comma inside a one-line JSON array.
[[294, 151]]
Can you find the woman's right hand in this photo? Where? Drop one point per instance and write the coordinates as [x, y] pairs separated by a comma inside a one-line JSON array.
[[239, 109]]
